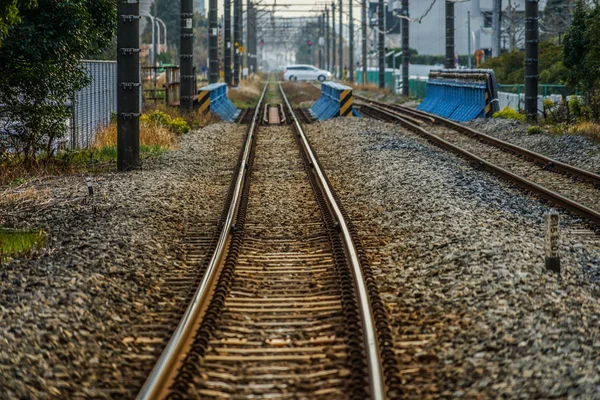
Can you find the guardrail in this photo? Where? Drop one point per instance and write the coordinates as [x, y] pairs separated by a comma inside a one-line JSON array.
[[214, 98], [335, 101], [461, 95]]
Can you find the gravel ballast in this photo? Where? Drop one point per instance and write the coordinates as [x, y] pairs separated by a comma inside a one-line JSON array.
[[459, 258], [67, 311], [571, 149]]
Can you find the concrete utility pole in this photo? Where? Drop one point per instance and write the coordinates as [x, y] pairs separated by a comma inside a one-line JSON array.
[[364, 40], [405, 48], [186, 58], [227, 42], [496, 29], [531, 57], [327, 43], [381, 43], [469, 38], [237, 40], [129, 86], [319, 42], [213, 42], [351, 44], [333, 62], [341, 40], [449, 35]]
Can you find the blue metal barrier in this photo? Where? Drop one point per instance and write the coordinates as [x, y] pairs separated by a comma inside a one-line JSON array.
[[335, 101], [461, 95], [214, 98]]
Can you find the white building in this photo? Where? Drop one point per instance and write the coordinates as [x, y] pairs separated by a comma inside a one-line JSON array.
[[429, 37]]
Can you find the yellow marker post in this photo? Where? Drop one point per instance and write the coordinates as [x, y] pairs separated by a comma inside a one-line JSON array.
[[204, 101], [346, 103]]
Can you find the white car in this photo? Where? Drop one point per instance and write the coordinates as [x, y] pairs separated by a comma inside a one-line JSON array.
[[305, 73]]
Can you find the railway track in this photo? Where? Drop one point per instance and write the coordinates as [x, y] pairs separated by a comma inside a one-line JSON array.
[[566, 186], [287, 306]]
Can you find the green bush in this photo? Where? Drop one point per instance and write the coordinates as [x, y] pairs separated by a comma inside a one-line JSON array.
[[179, 126], [534, 130], [157, 117], [509, 113]]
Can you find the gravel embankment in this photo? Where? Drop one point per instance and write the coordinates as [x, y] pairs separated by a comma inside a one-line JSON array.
[[458, 255], [66, 311], [571, 149]]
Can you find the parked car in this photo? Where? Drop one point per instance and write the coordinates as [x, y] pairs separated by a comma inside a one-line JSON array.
[[305, 73]]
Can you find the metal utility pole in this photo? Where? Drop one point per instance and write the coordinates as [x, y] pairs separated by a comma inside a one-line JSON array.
[[237, 38], [449, 34], [129, 86], [364, 40], [405, 48], [186, 58], [531, 57], [213, 42], [227, 42], [351, 43], [381, 43], [341, 40], [333, 61], [496, 28], [327, 43]]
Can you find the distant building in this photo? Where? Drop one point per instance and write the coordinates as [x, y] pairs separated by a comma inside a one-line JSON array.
[[429, 37]]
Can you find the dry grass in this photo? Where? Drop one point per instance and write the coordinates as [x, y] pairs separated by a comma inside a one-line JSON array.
[[589, 129], [371, 87], [246, 95], [301, 92], [150, 135]]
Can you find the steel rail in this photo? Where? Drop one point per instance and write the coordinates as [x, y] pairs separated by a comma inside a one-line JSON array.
[[547, 162], [376, 381], [157, 383], [558, 199]]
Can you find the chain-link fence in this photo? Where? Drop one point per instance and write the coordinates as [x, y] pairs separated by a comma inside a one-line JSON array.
[[94, 105]]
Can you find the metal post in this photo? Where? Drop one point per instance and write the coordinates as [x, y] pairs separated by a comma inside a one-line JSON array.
[[187, 56], [364, 40], [128, 86], [227, 42], [333, 61], [327, 55], [405, 49], [531, 57], [341, 40], [213, 42], [449, 34], [237, 38], [351, 43], [381, 43]]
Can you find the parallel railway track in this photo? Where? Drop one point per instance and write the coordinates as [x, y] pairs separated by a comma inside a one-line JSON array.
[[287, 306], [565, 185]]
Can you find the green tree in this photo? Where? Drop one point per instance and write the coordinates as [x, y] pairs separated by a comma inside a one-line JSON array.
[[40, 68], [582, 53], [10, 14]]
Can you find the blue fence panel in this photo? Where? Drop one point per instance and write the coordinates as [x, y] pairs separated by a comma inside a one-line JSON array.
[[219, 102], [329, 104], [461, 95]]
